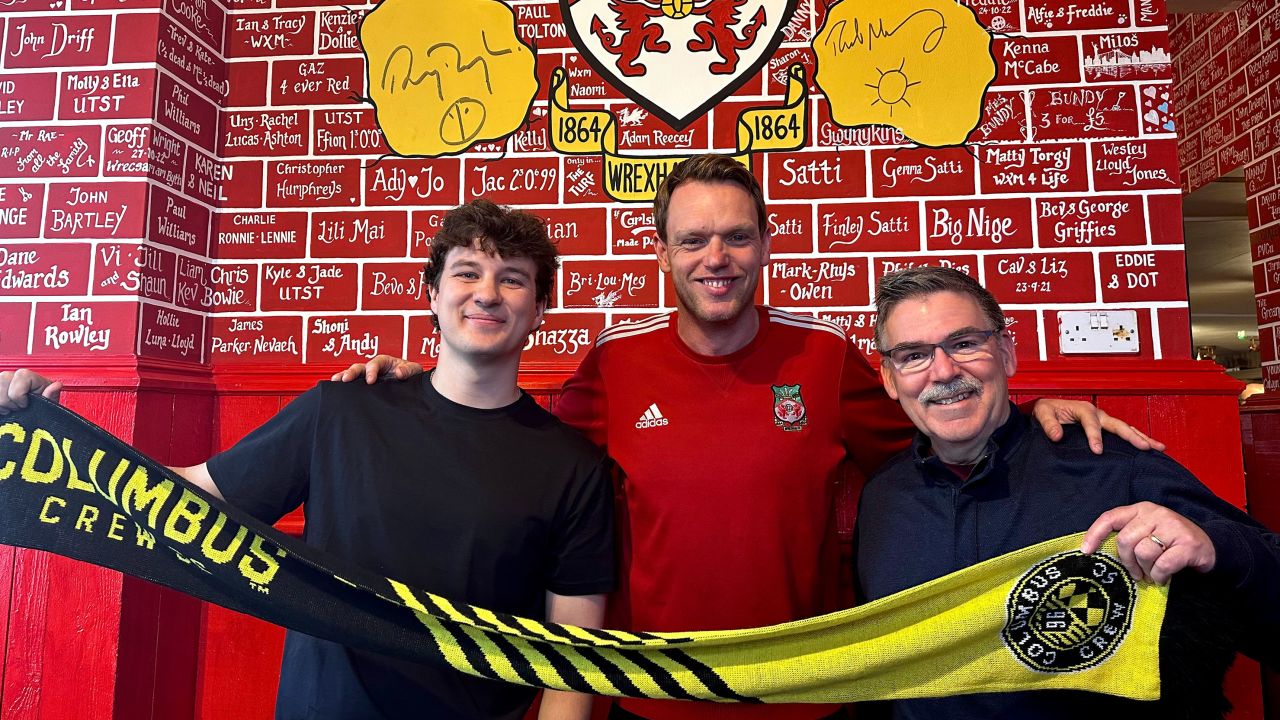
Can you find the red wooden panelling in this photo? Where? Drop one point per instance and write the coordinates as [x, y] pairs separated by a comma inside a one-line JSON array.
[[6, 595], [239, 666], [79, 630], [1202, 435], [237, 415], [1133, 409], [177, 654], [139, 625], [1260, 422]]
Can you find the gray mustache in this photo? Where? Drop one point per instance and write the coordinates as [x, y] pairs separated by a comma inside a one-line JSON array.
[[938, 391]]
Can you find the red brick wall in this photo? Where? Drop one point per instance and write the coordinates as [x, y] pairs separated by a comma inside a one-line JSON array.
[[1227, 100], [1070, 195]]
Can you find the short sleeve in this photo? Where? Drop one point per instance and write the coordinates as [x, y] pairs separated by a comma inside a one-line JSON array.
[[582, 404], [267, 473], [582, 543]]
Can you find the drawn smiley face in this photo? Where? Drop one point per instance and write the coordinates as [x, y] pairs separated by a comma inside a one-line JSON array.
[[462, 121], [442, 81]]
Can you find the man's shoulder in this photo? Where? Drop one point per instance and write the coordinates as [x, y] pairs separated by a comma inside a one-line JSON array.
[[348, 394], [782, 322], [1074, 443], [630, 333], [558, 434], [900, 465]]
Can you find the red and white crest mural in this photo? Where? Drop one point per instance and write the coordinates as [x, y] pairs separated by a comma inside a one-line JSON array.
[[677, 58]]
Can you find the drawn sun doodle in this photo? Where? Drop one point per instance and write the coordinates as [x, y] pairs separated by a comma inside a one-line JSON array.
[[444, 76], [892, 87], [939, 64]]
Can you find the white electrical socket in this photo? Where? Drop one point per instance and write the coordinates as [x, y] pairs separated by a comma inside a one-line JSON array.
[[1098, 331]]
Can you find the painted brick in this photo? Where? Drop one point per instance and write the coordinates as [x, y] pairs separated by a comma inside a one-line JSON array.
[[1022, 169], [1091, 221], [1057, 16], [632, 231], [45, 269], [84, 328], [81, 211], [819, 283], [359, 234], [577, 231], [256, 234], [1036, 61], [413, 182], [48, 152], [15, 321], [270, 35], [985, 224], [171, 334], [27, 96], [601, 284], [353, 338], [1045, 278], [246, 339], [57, 41], [20, 205], [1141, 276], [309, 286]]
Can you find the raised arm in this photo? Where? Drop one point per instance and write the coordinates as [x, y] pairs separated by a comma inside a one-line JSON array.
[[875, 426], [1053, 413], [16, 384]]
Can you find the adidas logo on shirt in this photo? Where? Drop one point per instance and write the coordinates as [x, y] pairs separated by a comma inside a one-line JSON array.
[[651, 418]]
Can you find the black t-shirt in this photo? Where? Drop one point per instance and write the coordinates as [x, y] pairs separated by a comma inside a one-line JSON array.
[[489, 507]]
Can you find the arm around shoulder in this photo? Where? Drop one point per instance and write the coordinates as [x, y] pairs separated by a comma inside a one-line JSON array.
[[583, 404], [875, 426]]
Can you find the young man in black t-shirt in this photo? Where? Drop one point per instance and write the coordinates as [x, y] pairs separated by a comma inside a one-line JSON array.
[[456, 482]]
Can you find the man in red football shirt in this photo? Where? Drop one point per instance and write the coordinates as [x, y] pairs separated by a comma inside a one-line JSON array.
[[729, 423]]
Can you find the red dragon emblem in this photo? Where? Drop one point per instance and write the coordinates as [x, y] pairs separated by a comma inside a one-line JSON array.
[[716, 30]]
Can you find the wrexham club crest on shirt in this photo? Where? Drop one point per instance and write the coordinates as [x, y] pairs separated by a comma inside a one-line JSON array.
[[788, 407], [677, 58]]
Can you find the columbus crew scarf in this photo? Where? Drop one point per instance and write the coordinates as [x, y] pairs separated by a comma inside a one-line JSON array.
[[1043, 617]]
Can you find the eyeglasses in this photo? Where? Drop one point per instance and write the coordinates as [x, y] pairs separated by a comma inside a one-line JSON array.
[[915, 357]]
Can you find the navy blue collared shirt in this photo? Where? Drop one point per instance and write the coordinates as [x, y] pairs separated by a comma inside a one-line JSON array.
[[918, 521]]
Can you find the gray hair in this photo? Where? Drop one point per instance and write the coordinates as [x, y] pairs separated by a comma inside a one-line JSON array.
[[915, 282]]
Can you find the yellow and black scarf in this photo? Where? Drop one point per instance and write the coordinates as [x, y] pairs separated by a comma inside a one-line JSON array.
[[1042, 617]]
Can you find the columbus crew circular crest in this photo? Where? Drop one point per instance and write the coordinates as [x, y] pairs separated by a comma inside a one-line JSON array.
[[1069, 612]]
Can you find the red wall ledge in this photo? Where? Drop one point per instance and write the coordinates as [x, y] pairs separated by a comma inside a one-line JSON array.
[[1088, 376]]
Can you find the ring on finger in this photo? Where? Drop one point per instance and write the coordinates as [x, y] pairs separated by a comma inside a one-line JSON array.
[[1159, 543]]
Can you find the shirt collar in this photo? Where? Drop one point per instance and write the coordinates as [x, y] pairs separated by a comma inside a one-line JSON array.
[[1001, 442]]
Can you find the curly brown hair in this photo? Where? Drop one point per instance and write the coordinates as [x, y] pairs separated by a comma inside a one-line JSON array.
[[500, 231]]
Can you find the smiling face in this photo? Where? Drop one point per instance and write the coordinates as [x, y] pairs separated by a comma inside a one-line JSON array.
[[486, 304], [713, 250], [957, 405]]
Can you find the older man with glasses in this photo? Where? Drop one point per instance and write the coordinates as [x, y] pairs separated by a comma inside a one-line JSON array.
[[979, 481]]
